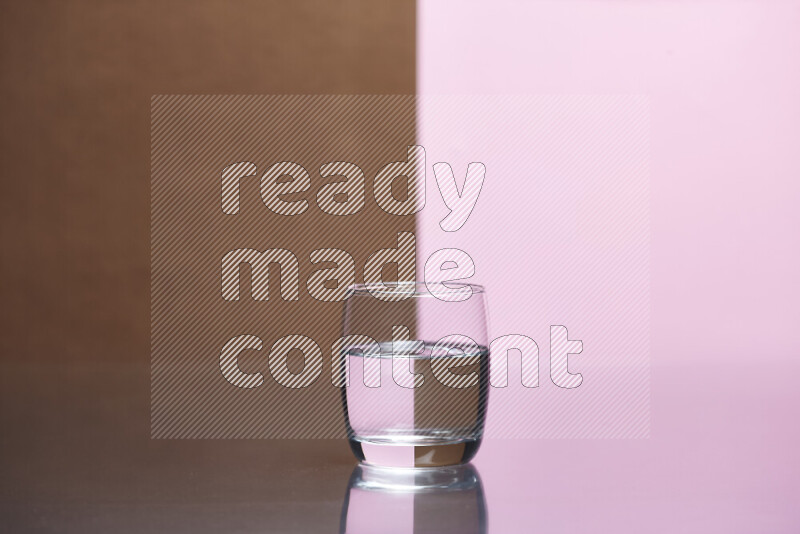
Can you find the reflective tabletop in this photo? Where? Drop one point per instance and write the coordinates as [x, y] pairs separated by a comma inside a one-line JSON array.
[[722, 457]]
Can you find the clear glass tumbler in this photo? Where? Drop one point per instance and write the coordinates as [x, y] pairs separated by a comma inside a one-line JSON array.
[[415, 366]]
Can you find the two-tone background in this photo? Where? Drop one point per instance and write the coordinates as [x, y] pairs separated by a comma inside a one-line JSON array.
[[721, 87]]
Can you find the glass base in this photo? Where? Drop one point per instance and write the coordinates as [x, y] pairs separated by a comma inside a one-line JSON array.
[[426, 454], [415, 480]]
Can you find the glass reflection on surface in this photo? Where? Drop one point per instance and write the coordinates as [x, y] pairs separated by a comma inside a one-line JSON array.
[[415, 500]]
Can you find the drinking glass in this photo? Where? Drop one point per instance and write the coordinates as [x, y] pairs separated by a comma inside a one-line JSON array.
[[414, 367]]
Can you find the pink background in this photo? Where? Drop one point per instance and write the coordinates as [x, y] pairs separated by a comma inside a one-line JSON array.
[[559, 235], [723, 83]]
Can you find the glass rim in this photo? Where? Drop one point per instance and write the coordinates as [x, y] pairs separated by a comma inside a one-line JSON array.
[[401, 288]]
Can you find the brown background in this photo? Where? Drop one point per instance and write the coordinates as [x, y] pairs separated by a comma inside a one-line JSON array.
[[193, 139], [77, 77]]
